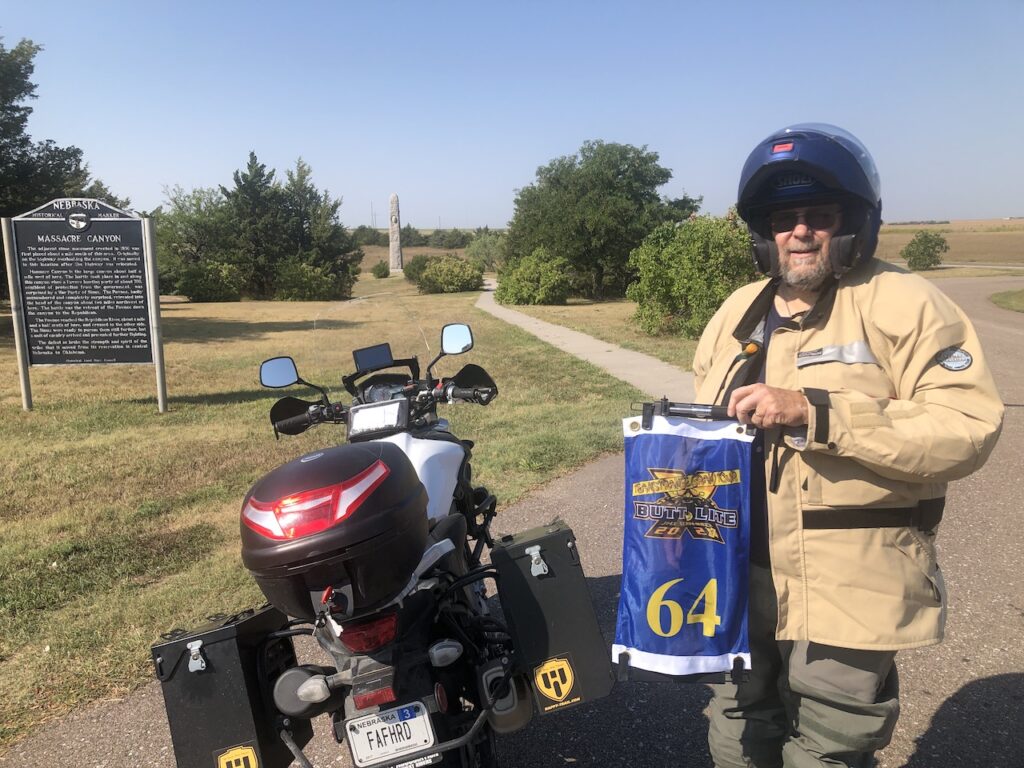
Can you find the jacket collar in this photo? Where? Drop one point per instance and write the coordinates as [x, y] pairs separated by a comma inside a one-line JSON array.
[[751, 325]]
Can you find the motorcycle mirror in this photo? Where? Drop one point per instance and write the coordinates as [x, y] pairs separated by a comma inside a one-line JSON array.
[[456, 338], [278, 372]]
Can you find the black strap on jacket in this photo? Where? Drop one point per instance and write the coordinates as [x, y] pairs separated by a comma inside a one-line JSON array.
[[925, 517]]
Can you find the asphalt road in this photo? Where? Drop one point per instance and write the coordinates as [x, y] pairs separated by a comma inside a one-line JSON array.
[[962, 702]]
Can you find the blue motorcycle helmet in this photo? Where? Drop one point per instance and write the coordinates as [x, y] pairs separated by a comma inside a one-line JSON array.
[[812, 164]]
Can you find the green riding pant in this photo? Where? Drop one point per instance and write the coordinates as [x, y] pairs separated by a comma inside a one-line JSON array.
[[805, 704]]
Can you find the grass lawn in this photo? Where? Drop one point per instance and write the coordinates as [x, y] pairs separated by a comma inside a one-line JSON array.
[[1010, 300], [612, 321], [121, 523]]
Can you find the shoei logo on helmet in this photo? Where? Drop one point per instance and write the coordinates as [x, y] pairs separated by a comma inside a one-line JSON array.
[[792, 179], [786, 147]]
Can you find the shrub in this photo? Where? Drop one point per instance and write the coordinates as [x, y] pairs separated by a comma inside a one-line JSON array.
[[413, 268], [487, 251], [364, 235], [211, 281], [686, 271], [412, 237], [298, 280], [449, 274], [925, 250], [381, 269], [537, 279], [449, 238]]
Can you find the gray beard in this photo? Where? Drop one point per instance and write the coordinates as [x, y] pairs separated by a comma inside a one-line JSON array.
[[807, 281]]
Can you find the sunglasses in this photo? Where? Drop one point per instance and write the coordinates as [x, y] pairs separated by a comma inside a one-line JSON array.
[[814, 218]]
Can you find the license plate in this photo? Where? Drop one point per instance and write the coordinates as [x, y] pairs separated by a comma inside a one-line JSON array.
[[389, 734]]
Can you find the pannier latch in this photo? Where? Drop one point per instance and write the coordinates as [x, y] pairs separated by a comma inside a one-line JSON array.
[[196, 662], [537, 565]]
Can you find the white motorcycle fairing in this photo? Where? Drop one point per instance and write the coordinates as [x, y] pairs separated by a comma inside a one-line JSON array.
[[437, 462]]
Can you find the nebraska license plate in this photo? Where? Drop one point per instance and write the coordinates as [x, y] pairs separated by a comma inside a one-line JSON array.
[[390, 734]]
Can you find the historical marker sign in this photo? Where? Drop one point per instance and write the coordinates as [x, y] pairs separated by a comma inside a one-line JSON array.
[[83, 287], [83, 284]]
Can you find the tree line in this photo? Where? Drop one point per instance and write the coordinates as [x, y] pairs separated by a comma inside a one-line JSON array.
[[258, 237], [33, 172], [593, 224]]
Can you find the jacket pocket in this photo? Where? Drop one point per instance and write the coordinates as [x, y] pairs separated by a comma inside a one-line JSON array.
[[871, 587], [840, 482], [919, 546]]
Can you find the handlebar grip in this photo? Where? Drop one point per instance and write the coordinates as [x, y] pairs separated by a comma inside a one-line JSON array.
[[462, 393], [294, 425]]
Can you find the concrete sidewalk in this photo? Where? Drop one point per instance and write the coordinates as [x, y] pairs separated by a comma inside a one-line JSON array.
[[646, 373]]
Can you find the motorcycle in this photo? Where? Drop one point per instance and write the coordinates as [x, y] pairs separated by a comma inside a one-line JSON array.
[[376, 548]]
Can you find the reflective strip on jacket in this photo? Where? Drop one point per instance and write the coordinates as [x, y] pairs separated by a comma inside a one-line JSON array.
[[910, 405]]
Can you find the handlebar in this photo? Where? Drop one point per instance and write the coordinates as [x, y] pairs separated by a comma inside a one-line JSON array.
[[482, 395], [335, 413], [295, 425]]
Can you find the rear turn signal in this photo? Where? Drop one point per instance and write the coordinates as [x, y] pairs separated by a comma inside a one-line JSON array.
[[309, 512]]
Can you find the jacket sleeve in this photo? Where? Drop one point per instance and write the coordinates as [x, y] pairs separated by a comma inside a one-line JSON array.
[[707, 347], [944, 414]]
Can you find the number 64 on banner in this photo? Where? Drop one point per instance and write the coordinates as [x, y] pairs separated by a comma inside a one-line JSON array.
[[708, 618]]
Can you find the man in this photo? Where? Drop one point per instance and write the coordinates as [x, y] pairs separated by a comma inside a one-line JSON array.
[[869, 391]]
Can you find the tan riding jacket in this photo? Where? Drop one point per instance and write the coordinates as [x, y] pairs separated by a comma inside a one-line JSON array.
[[901, 403]]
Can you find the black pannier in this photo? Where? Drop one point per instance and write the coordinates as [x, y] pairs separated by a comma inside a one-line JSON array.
[[217, 684], [547, 605]]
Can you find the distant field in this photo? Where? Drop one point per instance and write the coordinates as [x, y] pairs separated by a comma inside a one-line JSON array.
[[980, 241], [375, 253]]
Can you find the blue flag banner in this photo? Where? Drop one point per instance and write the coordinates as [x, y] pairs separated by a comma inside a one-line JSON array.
[[683, 603]]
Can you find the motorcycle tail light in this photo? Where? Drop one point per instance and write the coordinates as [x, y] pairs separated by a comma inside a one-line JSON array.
[[374, 698], [370, 635], [309, 512]]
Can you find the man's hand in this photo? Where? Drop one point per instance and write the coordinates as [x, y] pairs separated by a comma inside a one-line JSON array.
[[764, 406]]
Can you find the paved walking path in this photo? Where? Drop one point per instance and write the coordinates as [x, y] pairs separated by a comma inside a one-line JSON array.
[[646, 373]]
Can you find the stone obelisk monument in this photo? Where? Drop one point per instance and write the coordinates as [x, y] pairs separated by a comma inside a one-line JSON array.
[[395, 237]]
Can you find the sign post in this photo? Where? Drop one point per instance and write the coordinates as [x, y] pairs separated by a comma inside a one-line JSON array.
[[20, 343], [84, 288]]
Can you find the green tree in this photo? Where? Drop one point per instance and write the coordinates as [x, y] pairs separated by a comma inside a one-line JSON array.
[[258, 220], [685, 272], [593, 209], [191, 228], [315, 233], [925, 250], [32, 173], [364, 235], [412, 237], [487, 250]]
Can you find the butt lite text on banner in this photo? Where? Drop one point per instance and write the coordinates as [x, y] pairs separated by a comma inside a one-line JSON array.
[[683, 603]]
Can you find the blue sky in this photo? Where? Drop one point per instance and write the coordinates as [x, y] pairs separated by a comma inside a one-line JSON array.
[[454, 105]]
